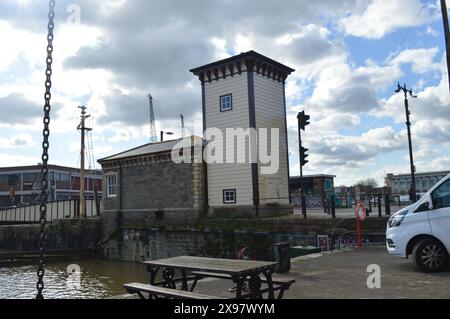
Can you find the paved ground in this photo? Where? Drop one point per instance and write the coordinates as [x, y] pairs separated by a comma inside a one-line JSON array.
[[344, 275]]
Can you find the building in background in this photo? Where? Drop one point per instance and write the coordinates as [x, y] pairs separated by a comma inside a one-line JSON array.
[[313, 184], [21, 185], [401, 184], [317, 189]]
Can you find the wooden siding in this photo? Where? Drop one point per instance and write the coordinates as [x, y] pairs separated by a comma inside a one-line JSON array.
[[228, 176], [270, 113]]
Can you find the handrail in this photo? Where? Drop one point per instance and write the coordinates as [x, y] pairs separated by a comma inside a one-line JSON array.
[[50, 202], [61, 209]]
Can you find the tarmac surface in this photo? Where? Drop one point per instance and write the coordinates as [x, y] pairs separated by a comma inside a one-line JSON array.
[[344, 275]]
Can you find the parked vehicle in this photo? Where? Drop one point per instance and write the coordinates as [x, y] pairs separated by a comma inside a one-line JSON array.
[[422, 230]]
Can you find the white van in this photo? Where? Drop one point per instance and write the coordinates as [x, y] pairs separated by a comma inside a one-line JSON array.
[[422, 230]]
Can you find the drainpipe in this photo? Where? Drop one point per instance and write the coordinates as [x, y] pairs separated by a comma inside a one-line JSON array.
[[120, 188]]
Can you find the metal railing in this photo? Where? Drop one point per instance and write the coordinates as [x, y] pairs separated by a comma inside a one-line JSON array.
[[376, 204], [55, 210]]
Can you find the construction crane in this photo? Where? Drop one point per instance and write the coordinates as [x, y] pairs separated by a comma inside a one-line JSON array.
[[183, 130], [153, 136]]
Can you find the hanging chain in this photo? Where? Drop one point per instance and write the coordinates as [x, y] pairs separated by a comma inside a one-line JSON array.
[[45, 147]]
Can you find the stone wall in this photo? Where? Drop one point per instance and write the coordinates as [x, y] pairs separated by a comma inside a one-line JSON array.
[[61, 235], [158, 187], [140, 245], [132, 239]]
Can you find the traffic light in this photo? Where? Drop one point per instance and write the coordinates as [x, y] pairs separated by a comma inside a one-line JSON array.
[[303, 156], [303, 120]]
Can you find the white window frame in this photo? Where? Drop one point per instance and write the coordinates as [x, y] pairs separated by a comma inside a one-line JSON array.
[[226, 194], [222, 104], [110, 194]]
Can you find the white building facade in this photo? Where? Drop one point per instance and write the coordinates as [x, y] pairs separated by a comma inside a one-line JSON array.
[[401, 184]]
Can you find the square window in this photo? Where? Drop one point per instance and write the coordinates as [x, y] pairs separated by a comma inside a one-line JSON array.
[[229, 196], [226, 103]]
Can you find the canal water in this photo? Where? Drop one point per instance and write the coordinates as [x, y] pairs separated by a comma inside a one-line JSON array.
[[87, 279]]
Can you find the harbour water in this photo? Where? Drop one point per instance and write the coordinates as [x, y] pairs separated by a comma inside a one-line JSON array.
[[97, 279]]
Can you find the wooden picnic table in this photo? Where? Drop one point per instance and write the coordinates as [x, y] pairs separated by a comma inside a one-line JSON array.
[[239, 271]]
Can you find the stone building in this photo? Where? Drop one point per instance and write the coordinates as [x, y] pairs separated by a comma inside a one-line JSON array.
[[146, 182], [244, 94]]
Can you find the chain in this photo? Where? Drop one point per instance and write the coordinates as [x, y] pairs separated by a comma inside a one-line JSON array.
[[45, 147]]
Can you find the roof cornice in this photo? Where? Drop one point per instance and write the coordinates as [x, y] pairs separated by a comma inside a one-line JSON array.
[[251, 59]]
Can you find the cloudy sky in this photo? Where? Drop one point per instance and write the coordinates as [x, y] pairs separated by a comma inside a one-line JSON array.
[[349, 56]]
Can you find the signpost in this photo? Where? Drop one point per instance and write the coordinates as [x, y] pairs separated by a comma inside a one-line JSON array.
[[361, 214], [323, 242]]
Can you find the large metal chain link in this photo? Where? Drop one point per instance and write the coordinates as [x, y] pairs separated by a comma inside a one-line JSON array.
[[45, 147]]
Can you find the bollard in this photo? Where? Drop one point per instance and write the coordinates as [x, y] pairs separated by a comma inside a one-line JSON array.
[[333, 207], [379, 205], [387, 205], [303, 206], [399, 203], [370, 205], [281, 255]]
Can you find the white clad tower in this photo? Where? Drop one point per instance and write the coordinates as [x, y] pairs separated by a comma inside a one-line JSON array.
[[245, 92]]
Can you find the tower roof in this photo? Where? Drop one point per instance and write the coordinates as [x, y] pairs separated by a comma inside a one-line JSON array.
[[250, 58]]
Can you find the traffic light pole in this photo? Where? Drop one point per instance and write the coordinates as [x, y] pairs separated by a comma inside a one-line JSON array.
[[302, 192], [303, 122]]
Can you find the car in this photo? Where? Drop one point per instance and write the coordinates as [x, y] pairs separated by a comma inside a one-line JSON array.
[[422, 230]]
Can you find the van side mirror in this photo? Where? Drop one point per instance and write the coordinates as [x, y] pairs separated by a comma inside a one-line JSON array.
[[425, 206], [429, 201]]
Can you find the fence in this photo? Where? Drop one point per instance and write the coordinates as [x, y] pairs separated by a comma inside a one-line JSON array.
[[375, 203], [55, 210]]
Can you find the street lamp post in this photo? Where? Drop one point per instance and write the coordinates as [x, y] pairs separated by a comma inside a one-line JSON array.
[[408, 125], [162, 135]]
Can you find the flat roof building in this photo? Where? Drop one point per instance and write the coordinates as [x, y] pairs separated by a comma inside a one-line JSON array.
[[401, 184], [21, 185]]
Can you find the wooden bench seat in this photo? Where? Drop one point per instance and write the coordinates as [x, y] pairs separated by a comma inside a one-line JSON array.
[[280, 283], [154, 291]]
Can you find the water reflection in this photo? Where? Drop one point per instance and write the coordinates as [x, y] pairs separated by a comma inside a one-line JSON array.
[[99, 279]]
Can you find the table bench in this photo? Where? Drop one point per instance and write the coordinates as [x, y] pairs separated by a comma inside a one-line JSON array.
[[239, 271], [156, 291], [280, 283]]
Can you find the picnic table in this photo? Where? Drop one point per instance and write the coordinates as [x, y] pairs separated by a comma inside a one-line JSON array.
[[252, 278], [192, 269]]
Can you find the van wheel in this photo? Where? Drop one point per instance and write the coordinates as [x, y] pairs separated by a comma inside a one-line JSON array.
[[429, 255]]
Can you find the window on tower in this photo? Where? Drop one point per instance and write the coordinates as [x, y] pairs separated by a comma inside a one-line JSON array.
[[229, 196], [226, 103]]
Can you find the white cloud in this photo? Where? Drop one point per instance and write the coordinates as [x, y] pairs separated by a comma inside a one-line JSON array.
[[422, 60], [17, 160], [120, 135], [429, 111], [17, 142], [381, 17], [126, 49]]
